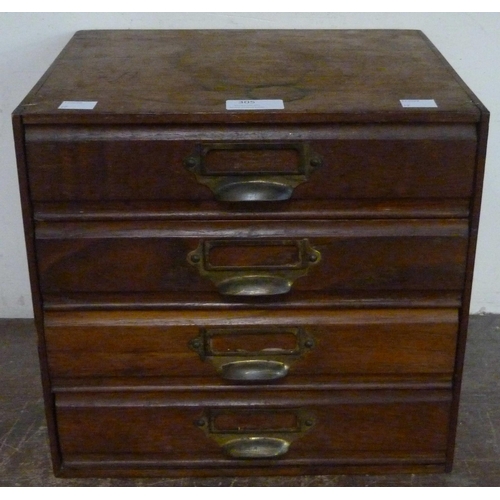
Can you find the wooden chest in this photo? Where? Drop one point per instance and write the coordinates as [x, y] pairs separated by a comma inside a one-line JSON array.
[[251, 252]]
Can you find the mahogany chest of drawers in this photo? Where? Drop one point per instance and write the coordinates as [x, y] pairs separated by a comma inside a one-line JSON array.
[[251, 252]]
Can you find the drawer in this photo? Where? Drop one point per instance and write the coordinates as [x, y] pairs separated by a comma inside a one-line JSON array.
[[154, 430], [251, 259], [248, 347], [258, 163]]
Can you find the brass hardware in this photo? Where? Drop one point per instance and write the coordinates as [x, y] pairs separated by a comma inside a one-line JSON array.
[[253, 370], [255, 285], [270, 189], [256, 447], [253, 185], [315, 162], [254, 280], [256, 443], [241, 364]]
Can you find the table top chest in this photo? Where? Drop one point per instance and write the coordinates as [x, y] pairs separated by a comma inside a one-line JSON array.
[[251, 252]]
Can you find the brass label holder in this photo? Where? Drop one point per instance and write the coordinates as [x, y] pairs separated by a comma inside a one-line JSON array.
[[264, 185], [247, 366], [255, 280], [257, 443]]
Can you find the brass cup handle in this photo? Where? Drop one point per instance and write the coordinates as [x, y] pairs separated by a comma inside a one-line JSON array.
[[253, 370], [253, 189], [256, 447], [255, 285]]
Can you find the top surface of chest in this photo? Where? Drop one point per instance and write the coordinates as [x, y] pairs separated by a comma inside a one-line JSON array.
[[187, 76]]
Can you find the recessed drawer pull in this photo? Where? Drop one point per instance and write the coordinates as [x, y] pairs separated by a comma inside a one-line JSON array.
[[254, 189], [253, 370], [254, 267], [252, 172], [255, 285], [256, 447]]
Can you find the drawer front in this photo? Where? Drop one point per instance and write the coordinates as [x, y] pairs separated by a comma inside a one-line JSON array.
[[251, 259], [250, 164], [289, 428], [248, 347]]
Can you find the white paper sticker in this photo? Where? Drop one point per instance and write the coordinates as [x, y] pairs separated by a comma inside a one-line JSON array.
[[249, 104], [77, 105], [418, 103]]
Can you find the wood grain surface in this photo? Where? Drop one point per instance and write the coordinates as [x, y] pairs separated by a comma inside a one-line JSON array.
[[354, 427], [344, 343], [321, 75], [103, 164]]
